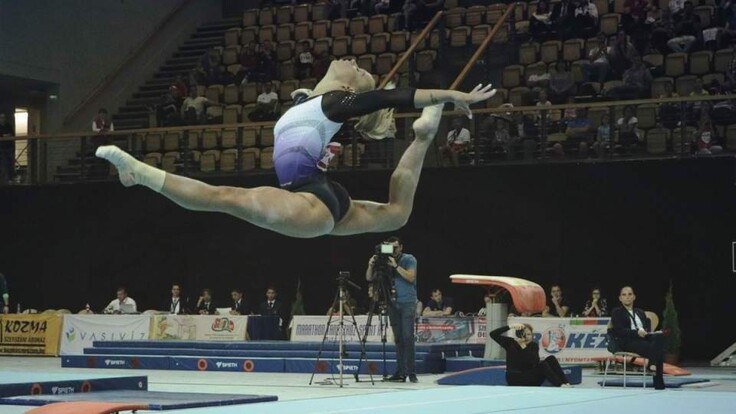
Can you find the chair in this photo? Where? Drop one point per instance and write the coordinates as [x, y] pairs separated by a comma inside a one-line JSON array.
[[657, 141], [232, 36], [283, 14], [397, 42], [700, 62], [474, 15], [301, 13], [266, 158], [319, 11], [528, 53], [250, 158], [705, 13], [230, 55], [284, 32], [168, 161], [340, 46], [454, 17], [722, 60], [302, 31], [358, 25], [617, 353], [308, 83], [266, 137], [208, 160], [321, 29], [231, 114], [171, 141], [572, 50], [228, 159], [459, 36], [479, 33], [494, 13], [719, 77], [377, 23], [209, 139], [385, 62], [512, 76], [425, 61], [250, 137], [379, 43], [550, 51], [231, 94], [674, 64], [578, 70], [658, 88], [265, 17], [359, 45], [684, 85], [609, 23], [322, 45], [152, 142], [153, 159], [229, 137], [250, 17], [519, 96], [647, 116], [214, 92], [366, 62], [339, 27], [287, 87], [285, 50], [286, 70], [249, 34]]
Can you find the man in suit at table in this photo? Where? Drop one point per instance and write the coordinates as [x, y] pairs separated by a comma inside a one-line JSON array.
[[239, 306], [205, 304], [632, 331], [272, 306]]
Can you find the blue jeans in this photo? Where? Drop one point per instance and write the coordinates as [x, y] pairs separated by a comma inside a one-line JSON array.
[[402, 317]]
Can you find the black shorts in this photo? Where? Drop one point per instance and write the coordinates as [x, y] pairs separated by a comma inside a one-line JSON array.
[[330, 193]]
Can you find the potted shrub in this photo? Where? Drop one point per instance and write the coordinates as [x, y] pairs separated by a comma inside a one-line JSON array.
[[673, 340]]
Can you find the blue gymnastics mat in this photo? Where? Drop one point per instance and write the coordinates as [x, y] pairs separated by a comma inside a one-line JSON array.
[[14, 383], [155, 400], [496, 375], [636, 381]]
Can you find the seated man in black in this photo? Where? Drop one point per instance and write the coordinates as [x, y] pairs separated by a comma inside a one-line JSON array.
[[556, 305], [438, 305], [205, 304], [239, 306], [523, 367], [631, 331]]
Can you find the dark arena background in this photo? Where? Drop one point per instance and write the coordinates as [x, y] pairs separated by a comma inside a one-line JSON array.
[[583, 146]]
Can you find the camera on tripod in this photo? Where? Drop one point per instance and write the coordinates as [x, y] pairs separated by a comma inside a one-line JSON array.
[[383, 274]]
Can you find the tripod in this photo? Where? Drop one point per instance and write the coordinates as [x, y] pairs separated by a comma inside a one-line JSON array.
[[340, 297], [378, 300]]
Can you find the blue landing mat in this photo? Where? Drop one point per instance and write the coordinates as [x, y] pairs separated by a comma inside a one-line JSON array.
[[636, 381], [496, 375], [14, 383], [250, 353], [488, 400], [455, 364], [155, 400]]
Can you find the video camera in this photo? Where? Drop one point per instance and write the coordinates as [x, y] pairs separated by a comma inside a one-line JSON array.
[[383, 272]]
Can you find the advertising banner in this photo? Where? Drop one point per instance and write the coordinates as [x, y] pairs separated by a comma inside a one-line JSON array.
[[81, 330], [29, 334], [199, 327], [452, 329], [306, 328], [570, 340]]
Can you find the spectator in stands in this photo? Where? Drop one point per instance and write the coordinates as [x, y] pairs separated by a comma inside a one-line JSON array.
[[239, 306], [209, 70], [502, 137], [563, 18], [706, 137], [628, 133], [458, 142], [596, 306], [304, 61], [669, 113], [486, 300], [561, 84], [180, 89], [586, 19], [267, 62], [4, 294], [540, 22], [579, 130], [630, 332], [409, 15], [321, 64], [177, 305], [336, 9], [167, 110], [603, 136], [687, 27], [193, 108], [122, 304], [205, 304], [349, 305], [676, 6], [698, 89], [597, 68], [637, 82], [381, 6], [542, 100], [438, 306], [102, 122], [635, 20], [662, 31], [556, 304], [266, 105], [727, 17], [7, 151], [621, 54], [248, 63], [428, 8]]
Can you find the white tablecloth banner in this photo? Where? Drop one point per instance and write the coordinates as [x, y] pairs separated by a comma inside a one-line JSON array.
[[80, 331], [570, 340], [307, 328], [199, 327]]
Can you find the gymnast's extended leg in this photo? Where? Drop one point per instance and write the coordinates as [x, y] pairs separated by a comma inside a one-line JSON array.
[[291, 214], [369, 216]]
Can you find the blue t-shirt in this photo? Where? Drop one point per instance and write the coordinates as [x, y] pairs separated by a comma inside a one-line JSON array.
[[406, 292]]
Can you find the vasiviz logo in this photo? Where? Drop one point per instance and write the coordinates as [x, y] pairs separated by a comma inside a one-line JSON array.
[[114, 362], [226, 364]]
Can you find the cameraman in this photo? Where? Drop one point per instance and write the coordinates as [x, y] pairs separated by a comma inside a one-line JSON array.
[[403, 305]]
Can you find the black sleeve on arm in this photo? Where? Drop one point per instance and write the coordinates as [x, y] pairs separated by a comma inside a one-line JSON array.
[[497, 335], [622, 324], [340, 106]]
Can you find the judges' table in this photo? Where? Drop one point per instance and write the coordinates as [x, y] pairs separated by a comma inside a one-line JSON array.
[[570, 340]]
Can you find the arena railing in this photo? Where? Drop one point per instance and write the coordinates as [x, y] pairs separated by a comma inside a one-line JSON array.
[[667, 127]]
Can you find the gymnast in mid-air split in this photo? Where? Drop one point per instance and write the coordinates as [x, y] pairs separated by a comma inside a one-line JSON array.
[[308, 204]]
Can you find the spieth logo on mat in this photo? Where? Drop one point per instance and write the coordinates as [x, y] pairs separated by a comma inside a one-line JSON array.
[[553, 340], [114, 362], [226, 364], [348, 367], [62, 390], [223, 325]]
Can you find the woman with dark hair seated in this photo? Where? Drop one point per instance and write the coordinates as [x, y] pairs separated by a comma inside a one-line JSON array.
[[523, 367]]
